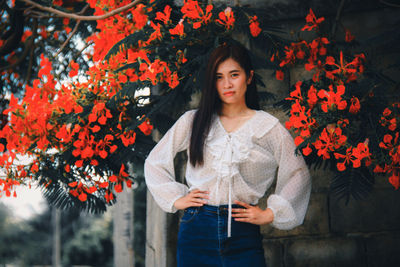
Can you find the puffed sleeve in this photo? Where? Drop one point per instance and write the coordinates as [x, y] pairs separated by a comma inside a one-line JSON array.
[[293, 186], [159, 169]]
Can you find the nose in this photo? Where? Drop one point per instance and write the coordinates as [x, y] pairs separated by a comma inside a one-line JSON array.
[[227, 83]]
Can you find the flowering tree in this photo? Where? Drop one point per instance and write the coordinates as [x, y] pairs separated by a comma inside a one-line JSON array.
[[81, 134], [84, 119], [345, 114]]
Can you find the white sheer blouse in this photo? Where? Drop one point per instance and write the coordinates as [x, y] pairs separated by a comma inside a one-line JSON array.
[[240, 165]]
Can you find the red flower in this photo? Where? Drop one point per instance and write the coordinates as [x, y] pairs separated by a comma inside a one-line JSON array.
[[395, 180], [156, 34], [74, 69], [290, 57], [128, 138], [341, 166], [67, 168], [347, 69], [139, 17], [333, 100], [118, 188], [312, 21], [99, 113], [330, 140], [255, 29], [226, 18], [349, 37], [79, 163], [164, 16], [103, 185], [279, 75], [82, 197], [387, 112], [312, 97], [178, 30], [46, 67], [105, 143], [113, 178], [146, 127], [355, 105], [58, 2], [354, 155], [193, 11], [307, 150], [109, 196]]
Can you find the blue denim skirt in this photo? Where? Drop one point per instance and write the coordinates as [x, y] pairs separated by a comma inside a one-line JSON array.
[[203, 241]]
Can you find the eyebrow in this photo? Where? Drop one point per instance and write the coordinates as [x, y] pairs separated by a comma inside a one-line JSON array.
[[232, 71]]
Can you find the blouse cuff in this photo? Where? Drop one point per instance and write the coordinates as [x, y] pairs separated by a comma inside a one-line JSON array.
[[284, 215], [172, 208]]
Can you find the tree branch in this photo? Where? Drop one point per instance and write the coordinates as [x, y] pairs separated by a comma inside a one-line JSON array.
[[83, 49], [78, 17], [68, 39], [388, 4], [338, 14], [29, 71], [71, 33]]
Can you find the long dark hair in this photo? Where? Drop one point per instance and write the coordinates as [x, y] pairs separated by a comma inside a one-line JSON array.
[[210, 103]]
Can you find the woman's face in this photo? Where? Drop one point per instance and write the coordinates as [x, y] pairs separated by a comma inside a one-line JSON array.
[[232, 81]]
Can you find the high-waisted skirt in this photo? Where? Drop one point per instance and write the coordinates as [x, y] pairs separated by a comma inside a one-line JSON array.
[[203, 241]]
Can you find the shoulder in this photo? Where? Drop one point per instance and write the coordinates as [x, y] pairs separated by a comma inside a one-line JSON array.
[[188, 115], [266, 117], [186, 119], [263, 123]]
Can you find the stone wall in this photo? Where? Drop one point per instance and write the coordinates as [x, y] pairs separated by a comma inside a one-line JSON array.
[[359, 233]]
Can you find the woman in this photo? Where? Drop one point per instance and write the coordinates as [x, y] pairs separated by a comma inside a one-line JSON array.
[[234, 152]]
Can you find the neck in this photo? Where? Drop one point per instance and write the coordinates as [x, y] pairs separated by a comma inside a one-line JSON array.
[[234, 109]]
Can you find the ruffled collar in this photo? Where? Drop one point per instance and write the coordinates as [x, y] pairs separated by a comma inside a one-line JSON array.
[[229, 148]]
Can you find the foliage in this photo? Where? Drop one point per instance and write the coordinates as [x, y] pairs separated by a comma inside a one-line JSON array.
[[345, 115], [90, 245], [10, 239], [81, 135], [84, 239], [84, 119]]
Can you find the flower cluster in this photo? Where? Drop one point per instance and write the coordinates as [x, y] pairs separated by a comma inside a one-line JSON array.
[[326, 109], [87, 130], [390, 144]]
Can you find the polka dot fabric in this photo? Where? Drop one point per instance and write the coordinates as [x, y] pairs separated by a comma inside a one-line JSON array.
[[239, 165]]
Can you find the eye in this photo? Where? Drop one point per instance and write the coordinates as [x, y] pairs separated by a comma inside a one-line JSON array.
[[234, 75], [219, 77]]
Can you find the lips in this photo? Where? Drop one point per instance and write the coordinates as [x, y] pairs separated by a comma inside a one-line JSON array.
[[228, 93]]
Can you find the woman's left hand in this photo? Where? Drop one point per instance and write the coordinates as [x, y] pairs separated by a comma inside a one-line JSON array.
[[252, 214]]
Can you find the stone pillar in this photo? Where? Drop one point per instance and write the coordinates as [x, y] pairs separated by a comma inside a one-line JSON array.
[[123, 229], [156, 234], [55, 217]]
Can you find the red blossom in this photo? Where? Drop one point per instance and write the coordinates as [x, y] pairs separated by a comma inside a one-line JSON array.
[[74, 69], [330, 140], [279, 75], [178, 30], [312, 21], [355, 105], [164, 16], [254, 26], [195, 13], [226, 18], [146, 127], [349, 37], [333, 99]]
